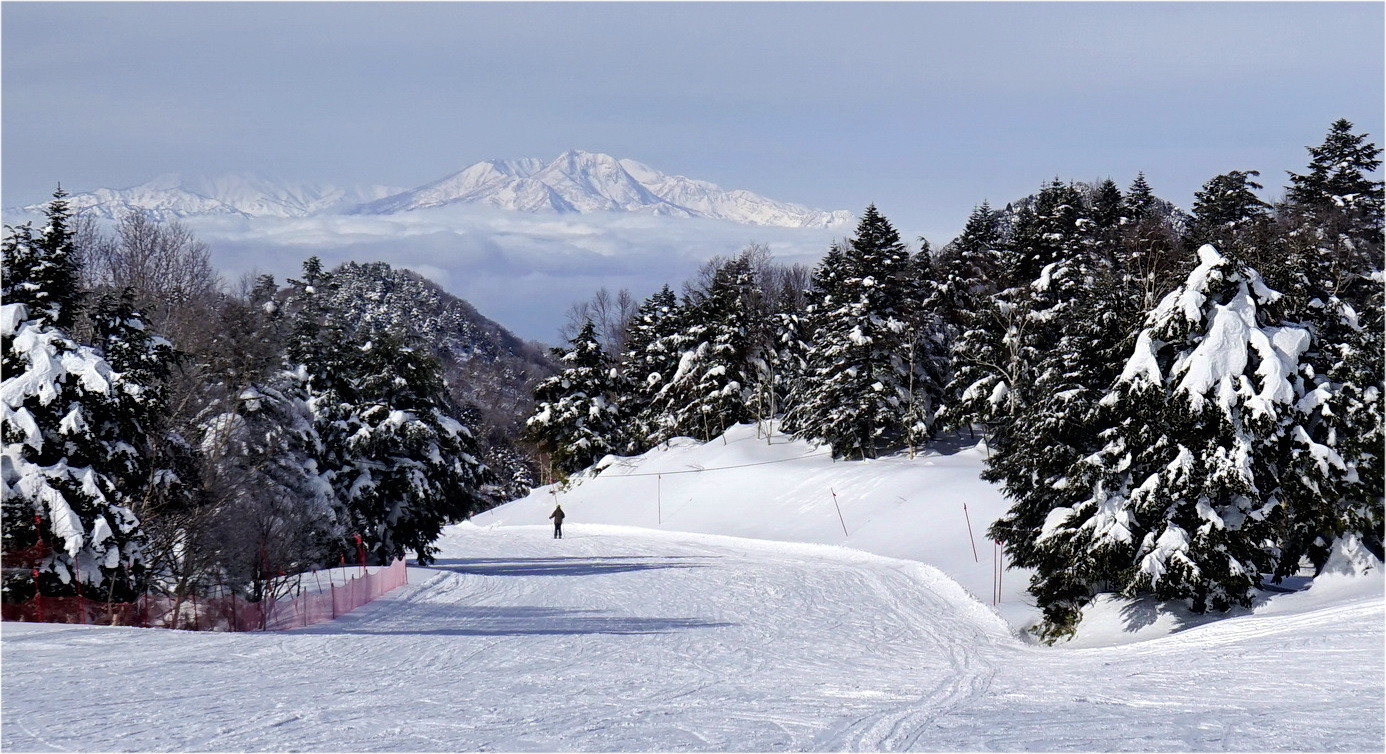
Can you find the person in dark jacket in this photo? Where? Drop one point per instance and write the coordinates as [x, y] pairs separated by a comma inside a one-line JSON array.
[[557, 517]]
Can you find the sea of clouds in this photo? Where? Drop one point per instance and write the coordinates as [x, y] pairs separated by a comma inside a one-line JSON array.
[[523, 270]]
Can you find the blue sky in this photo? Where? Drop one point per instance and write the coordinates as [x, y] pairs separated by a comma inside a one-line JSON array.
[[922, 108]]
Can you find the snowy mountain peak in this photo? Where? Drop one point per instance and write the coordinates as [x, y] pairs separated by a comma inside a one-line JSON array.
[[575, 181], [580, 181]]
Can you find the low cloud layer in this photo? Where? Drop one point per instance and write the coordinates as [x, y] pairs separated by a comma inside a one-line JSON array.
[[521, 270]]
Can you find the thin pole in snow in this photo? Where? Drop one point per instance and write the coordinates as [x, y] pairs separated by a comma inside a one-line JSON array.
[[968, 518], [1000, 569], [995, 588], [659, 499], [839, 513]]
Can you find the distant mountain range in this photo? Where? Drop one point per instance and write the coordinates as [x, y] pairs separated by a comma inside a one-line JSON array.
[[574, 182], [174, 196]]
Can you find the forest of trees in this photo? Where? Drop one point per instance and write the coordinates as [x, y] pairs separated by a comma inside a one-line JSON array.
[[163, 434], [1181, 404], [1176, 404]]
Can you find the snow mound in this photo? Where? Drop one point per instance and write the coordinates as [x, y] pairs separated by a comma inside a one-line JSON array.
[[934, 509]]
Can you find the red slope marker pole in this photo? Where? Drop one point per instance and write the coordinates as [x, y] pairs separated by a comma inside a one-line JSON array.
[[968, 518], [839, 513]]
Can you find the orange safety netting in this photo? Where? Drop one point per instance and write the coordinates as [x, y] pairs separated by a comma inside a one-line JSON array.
[[216, 613]]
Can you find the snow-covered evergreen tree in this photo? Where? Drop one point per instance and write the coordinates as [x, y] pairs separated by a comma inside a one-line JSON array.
[[721, 359], [276, 511], [579, 416], [1338, 195], [397, 457], [1332, 275], [929, 342], [1186, 497], [855, 393], [1140, 200], [404, 466], [71, 430], [1227, 213], [42, 271], [651, 358], [1047, 268], [967, 270]]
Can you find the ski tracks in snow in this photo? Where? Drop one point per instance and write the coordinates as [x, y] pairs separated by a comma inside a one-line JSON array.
[[618, 639], [740, 645]]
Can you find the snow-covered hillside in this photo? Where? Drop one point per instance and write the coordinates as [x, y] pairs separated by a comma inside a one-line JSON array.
[[746, 485], [933, 509]]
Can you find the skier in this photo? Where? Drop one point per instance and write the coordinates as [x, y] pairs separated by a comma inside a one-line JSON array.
[[557, 517]]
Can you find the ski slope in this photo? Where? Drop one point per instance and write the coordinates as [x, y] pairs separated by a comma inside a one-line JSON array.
[[848, 613], [622, 639], [933, 508]]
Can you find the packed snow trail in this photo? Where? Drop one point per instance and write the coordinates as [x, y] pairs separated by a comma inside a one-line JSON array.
[[616, 639]]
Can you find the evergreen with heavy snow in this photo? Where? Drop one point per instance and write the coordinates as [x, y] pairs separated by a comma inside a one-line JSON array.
[[398, 459], [1334, 284], [966, 269], [720, 358], [1243, 440], [277, 512], [1044, 268], [862, 392], [580, 415], [74, 429], [486, 368], [648, 363]]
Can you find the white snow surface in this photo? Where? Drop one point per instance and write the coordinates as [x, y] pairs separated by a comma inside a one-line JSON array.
[[633, 638]]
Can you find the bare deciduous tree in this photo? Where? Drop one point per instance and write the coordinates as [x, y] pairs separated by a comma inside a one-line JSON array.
[[612, 313]]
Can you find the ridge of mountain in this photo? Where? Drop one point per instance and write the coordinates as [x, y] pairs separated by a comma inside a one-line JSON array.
[[574, 182], [173, 196], [490, 371], [583, 182]]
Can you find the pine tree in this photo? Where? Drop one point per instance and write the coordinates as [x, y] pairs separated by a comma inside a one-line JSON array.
[[1047, 268], [929, 346], [1047, 231], [276, 510], [855, 393], [721, 361], [1335, 210], [579, 417], [162, 474], [1107, 206], [1338, 189], [1227, 213], [1183, 499], [1332, 275], [648, 363], [396, 455], [1055, 358], [70, 438], [1139, 200], [967, 270], [404, 466], [41, 270]]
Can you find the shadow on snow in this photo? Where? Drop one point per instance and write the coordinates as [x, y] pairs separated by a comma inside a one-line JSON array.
[[459, 620], [570, 566]]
